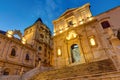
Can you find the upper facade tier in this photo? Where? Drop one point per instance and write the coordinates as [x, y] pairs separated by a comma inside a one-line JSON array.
[[72, 17]]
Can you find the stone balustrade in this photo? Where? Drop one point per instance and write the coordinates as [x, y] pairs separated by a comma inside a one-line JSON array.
[[10, 77], [34, 72]]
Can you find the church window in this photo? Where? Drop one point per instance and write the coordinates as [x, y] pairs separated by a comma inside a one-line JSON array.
[[13, 52], [59, 52], [92, 41], [39, 48], [41, 35], [27, 57], [105, 24], [6, 72], [70, 23], [118, 34], [39, 59]]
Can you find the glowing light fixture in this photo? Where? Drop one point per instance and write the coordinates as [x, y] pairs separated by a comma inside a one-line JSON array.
[[74, 25], [23, 40], [10, 33], [59, 52], [90, 18], [81, 22], [92, 41], [61, 31]]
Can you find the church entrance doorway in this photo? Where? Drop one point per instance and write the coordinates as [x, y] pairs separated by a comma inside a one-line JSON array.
[[75, 53]]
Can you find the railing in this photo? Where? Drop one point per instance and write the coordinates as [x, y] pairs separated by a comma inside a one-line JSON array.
[[10, 77], [34, 72]]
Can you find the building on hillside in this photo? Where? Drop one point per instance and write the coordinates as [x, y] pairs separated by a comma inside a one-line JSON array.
[[81, 38], [19, 54]]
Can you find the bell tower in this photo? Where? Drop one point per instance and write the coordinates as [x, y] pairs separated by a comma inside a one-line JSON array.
[[38, 36]]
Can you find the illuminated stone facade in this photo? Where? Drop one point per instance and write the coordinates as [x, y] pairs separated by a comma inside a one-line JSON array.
[[15, 55], [85, 47], [19, 54], [81, 38]]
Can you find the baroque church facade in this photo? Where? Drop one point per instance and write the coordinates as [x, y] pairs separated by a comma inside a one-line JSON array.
[[81, 38], [82, 46]]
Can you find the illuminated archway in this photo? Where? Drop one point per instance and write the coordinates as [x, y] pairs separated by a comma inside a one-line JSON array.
[[75, 53]]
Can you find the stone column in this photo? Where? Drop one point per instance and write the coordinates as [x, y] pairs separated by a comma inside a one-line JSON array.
[[21, 71], [39, 64]]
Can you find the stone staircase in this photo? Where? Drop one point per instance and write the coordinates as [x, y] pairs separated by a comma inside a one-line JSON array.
[[99, 67]]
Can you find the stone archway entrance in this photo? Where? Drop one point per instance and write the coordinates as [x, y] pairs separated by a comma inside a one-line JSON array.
[[75, 53]]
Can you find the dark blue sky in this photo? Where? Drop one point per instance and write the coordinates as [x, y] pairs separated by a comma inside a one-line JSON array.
[[19, 14]]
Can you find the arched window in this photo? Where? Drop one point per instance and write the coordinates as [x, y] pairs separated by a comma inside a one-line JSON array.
[[27, 57], [6, 72], [70, 23], [39, 59], [39, 48], [13, 52], [41, 35]]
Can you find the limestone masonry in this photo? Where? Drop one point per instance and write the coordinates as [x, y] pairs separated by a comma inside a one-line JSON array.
[[83, 47]]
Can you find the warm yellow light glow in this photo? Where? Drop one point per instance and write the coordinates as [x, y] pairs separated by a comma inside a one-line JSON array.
[[61, 31], [90, 18], [81, 22], [71, 35], [68, 38], [74, 25], [10, 33], [59, 52], [80, 19], [75, 35], [92, 41], [23, 40]]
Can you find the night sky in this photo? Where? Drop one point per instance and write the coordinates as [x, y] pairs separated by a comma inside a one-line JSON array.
[[19, 14]]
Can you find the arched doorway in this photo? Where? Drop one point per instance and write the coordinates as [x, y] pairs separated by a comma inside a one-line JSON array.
[[75, 53]]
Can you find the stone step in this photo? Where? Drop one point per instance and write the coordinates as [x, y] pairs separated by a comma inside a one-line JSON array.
[[77, 70]]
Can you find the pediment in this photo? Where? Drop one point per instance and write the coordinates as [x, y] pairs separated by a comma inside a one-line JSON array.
[[68, 11]]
